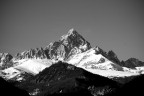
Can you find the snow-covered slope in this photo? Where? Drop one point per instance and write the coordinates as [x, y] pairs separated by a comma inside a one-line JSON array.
[[111, 73], [98, 64], [31, 66], [90, 58]]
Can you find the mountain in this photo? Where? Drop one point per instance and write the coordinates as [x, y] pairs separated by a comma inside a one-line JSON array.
[[63, 79], [69, 44], [72, 48], [132, 63]]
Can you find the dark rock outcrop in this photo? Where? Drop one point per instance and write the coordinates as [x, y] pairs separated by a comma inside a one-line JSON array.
[[7, 89], [132, 88], [113, 57], [132, 63], [5, 60], [5, 57], [32, 53]]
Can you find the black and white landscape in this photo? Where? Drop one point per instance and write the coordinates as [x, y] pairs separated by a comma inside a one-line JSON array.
[[71, 47], [70, 67]]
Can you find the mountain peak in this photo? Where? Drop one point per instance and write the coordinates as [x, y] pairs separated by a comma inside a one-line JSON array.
[[113, 57], [69, 44], [71, 32]]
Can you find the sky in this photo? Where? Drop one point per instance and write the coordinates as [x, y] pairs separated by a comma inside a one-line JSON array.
[[116, 25]]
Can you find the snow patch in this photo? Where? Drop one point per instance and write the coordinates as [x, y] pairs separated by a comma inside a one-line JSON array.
[[110, 73], [31, 66]]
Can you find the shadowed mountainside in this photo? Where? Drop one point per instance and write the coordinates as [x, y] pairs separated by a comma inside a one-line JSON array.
[[7, 89], [62, 78], [132, 88]]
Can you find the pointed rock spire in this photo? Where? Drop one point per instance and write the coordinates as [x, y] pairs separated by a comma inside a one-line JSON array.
[[71, 32], [113, 57], [69, 44]]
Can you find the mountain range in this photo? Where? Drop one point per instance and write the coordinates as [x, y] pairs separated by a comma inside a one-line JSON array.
[[68, 64]]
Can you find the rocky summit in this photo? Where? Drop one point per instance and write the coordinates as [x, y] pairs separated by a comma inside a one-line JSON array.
[[69, 44]]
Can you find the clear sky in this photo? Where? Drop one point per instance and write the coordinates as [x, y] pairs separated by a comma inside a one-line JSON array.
[[116, 25]]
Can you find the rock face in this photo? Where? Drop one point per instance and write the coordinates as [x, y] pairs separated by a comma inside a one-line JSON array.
[[69, 44], [113, 57], [32, 53], [5, 57], [5, 60], [132, 63]]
